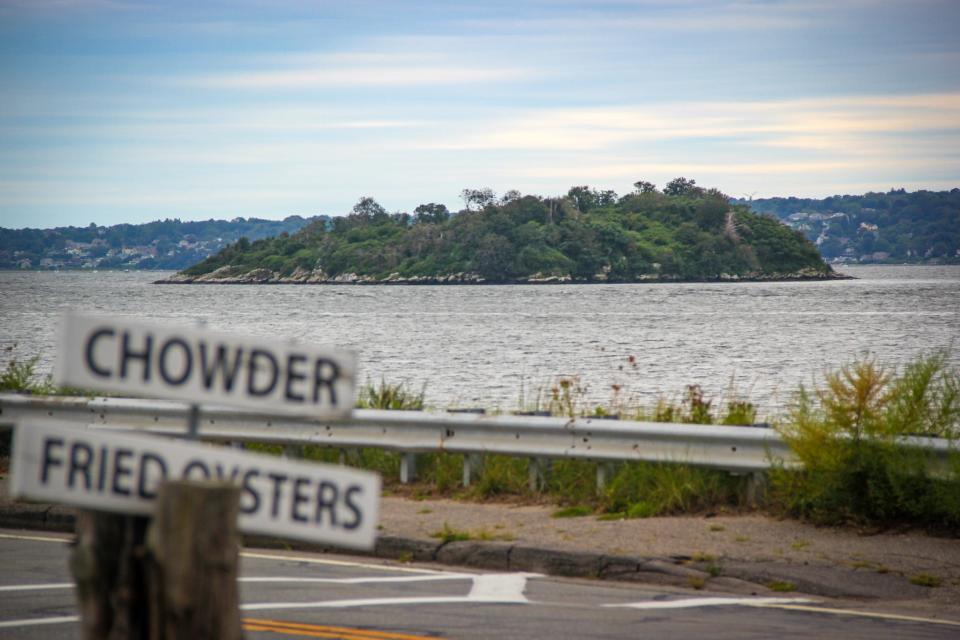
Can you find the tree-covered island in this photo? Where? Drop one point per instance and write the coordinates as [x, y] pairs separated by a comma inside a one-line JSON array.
[[680, 233]]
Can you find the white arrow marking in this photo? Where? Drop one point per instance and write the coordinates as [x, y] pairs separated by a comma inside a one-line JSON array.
[[501, 588]]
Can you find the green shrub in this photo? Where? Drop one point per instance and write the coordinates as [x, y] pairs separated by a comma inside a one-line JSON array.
[[847, 437]]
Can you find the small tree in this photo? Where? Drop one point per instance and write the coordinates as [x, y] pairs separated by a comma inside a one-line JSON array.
[[476, 199], [682, 187], [431, 213]]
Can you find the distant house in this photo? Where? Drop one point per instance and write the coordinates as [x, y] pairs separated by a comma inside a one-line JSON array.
[[867, 226]]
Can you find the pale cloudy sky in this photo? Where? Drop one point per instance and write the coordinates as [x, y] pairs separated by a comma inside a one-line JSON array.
[[126, 111]]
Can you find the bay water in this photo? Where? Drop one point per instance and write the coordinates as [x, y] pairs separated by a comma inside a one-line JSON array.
[[507, 347]]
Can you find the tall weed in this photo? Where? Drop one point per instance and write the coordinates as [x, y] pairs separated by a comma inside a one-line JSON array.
[[22, 377], [390, 396]]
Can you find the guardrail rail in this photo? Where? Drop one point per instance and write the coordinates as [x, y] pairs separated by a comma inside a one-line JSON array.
[[741, 450]]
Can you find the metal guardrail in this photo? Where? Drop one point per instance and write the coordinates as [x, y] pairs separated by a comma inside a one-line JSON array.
[[730, 448], [737, 449]]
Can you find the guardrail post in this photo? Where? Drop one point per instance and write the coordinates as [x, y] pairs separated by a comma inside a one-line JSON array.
[[193, 422], [408, 468], [538, 470], [755, 489], [471, 462], [602, 469]]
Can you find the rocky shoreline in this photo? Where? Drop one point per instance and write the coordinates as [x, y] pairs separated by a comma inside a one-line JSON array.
[[234, 275]]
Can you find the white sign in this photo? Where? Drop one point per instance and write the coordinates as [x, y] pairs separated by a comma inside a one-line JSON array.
[[203, 366], [121, 473]]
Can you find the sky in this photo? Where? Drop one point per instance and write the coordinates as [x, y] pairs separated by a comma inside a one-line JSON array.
[[118, 111]]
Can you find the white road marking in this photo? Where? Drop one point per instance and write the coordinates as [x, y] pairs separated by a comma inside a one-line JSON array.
[[269, 556], [338, 563], [32, 622], [500, 588], [37, 587], [10, 536], [344, 604], [383, 580], [788, 604], [864, 614], [691, 603], [495, 588]]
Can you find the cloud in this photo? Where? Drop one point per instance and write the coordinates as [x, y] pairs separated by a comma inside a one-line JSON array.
[[784, 167], [367, 68], [787, 123]]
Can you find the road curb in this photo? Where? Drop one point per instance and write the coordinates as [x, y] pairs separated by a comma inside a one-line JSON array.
[[731, 575]]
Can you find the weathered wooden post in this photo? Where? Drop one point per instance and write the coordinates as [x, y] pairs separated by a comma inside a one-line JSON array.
[[193, 554], [171, 577], [109, 568]]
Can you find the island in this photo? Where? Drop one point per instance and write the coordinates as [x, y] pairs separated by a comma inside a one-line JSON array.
[[681, 233]]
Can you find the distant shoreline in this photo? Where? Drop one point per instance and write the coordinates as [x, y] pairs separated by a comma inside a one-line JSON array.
[[468, 280]]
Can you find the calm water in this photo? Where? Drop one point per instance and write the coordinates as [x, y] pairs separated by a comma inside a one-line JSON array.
[[496, 346]]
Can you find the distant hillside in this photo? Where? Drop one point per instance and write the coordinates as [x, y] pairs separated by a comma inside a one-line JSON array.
[[897, 226], [164, 244], [683, 233]]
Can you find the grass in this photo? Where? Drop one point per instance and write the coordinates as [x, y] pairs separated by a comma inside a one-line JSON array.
[[845, 433], [577, 511], [449, 534], [611, 517], [926, 580], [488, 536], [649, 489], [781, 586]]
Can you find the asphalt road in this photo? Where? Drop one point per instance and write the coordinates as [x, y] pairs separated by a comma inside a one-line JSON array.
[[291, 594]]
